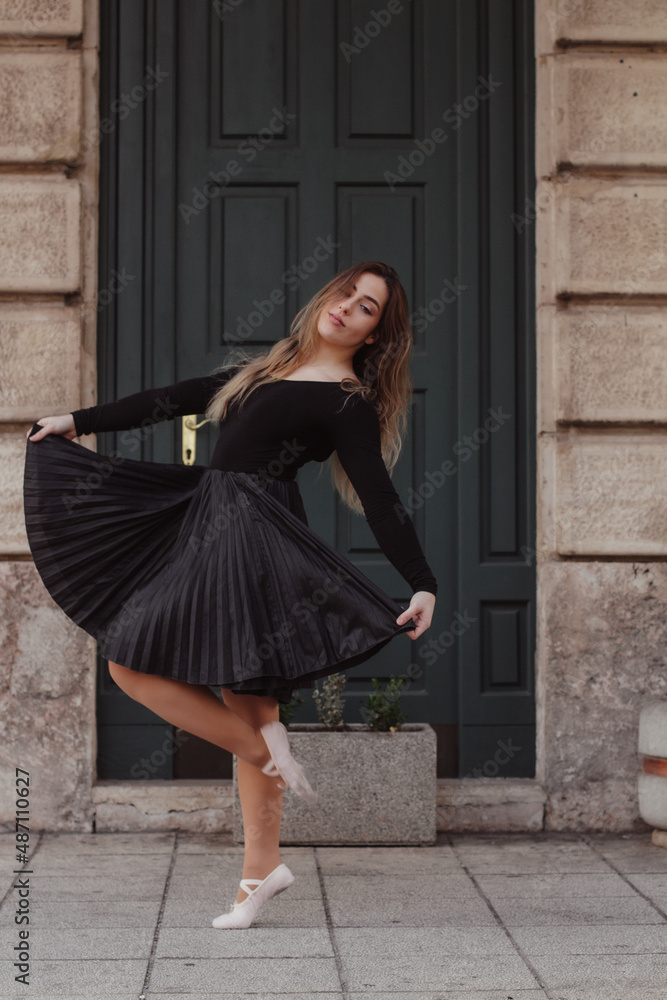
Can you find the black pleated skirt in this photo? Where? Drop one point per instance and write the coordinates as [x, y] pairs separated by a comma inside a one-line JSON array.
[[206, 576]]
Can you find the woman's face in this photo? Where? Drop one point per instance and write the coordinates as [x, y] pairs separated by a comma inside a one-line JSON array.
[[359, 308]]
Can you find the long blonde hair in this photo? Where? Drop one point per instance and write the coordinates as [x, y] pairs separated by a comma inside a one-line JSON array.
[[381, 368]]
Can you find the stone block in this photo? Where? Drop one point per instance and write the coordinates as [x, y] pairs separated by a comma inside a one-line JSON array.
[[39, 362], [490, 804], [198, 805], [609, 238], [610, 493], [611, 109], [373, 787], [40, 106], [602, 636], [23, 20], [47, 701], [13, 537], [611, 363], [40, 222], [599, 21]]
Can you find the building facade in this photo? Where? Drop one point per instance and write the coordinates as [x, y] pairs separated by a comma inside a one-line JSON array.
[[597, 221]]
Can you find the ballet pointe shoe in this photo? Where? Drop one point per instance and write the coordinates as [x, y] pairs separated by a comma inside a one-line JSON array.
[[282, 763], [242, 914]]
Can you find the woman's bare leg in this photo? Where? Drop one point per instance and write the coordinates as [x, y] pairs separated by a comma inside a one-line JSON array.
[[261, 799], [196, 709]]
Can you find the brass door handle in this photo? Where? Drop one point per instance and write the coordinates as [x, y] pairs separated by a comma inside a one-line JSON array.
[[189, 428]]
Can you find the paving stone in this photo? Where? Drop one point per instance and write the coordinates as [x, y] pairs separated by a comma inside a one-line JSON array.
[[453, 884], [102, 844], [231, 865], [226, 976], [438, 972], [114, 867], [405, 908], [538, 886], [208, 843], [99, 914], [91, 888], [215, 891], [319, 995], [101, 978], [601, 940], [654, 884], [602, 972], [116, 995], [520, 912], [278, 912], [418, 943], [91, 943], [451, 995], [616, 992], [252, 942], [525, 857], [429, 861], [411, 931], [632, 859]]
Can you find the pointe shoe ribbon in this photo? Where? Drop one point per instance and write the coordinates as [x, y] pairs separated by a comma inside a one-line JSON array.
[[242, 914], [282, 762]]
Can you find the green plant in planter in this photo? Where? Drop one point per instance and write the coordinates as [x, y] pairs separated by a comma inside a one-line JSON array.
[[382, 709], [329, 701], [286, 711]]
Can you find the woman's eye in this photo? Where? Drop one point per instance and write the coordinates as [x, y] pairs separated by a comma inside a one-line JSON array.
[[348, 293]]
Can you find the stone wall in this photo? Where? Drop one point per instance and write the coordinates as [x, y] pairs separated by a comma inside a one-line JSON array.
[[601, 217], [48, 265]]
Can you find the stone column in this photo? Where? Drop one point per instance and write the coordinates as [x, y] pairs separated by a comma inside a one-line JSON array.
[[601, 217], [48, 265]]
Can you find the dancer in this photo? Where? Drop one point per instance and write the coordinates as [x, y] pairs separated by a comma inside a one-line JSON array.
[[195, 576]]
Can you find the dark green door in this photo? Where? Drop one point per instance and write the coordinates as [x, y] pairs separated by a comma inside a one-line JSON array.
[[282, 140]]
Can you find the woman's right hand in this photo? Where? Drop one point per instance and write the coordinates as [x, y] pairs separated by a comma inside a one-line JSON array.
[[63, 424]]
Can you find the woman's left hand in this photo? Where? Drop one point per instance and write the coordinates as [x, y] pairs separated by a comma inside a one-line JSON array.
[[420, 610]]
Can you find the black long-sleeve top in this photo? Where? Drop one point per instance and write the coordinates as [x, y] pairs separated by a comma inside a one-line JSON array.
[[281, 426]]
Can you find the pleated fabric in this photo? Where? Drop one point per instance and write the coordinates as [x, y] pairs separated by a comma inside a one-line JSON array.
[[207, 576]]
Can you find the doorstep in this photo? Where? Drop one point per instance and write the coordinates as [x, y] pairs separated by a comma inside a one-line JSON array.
[[206, 805]]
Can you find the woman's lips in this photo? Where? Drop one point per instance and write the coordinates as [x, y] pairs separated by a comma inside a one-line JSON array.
[[337, 321]]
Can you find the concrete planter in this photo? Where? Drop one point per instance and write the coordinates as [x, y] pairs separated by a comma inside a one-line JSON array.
[[374, 788]]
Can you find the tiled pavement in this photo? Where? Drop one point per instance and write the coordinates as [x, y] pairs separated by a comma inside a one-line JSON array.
[[472, 918]]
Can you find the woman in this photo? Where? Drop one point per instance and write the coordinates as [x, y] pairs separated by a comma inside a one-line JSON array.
[[190, 576]]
